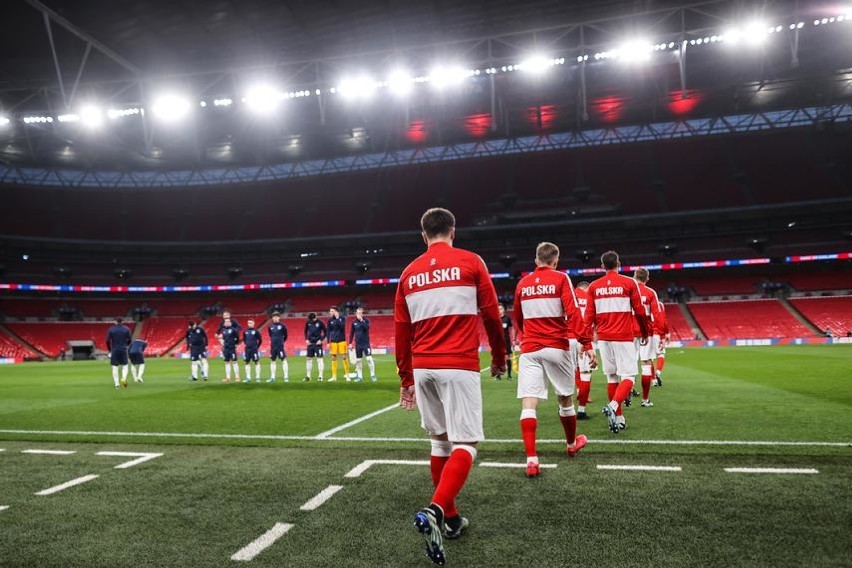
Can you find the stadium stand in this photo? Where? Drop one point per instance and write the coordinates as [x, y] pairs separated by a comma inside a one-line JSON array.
[[678, 326], [827, 313], [765, 319], [163, 333], [14, 350], [51, 338]]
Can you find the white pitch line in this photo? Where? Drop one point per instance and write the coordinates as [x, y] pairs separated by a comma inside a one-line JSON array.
[[641, 467], [320, 498], [141, 457], [351, 423], [3, 507], [67, 484], [518, 465], [49, 452], [806, 470], [262, 542], [367, 464], [423, 440]]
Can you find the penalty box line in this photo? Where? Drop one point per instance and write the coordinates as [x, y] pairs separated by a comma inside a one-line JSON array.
[[422, 440]]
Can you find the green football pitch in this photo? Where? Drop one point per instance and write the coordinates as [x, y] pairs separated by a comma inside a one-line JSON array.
[[172, 473]]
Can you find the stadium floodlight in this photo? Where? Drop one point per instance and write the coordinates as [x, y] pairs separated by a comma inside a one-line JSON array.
[[447, 76], [69, 117], [263, 99], [634, 51], [4, 121], [536, 64], [753, 34], [400, 83], [91, 116], [171, 108], [358, 88]]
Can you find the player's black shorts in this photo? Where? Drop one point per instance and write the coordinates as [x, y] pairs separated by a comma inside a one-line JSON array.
[[362, 351], [277, 352], [196, 353], [315, 350], [118, 357], [137, 358], [251, 355], [508, 346], [229, 354]]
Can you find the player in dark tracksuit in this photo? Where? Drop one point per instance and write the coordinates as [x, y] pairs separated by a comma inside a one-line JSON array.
[[359, 335], [117, 341], [506, 322], [196, 342], [226, 317], [137, 359], [230, 340], [315, 334], [252, 340], [277, 337]]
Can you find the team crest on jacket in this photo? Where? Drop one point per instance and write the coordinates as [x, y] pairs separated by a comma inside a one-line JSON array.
[[433, 261]]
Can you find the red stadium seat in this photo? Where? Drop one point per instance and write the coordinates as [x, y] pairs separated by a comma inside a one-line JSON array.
[[753, 319]]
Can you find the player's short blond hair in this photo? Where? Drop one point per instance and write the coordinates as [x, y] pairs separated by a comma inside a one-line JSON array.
[[641, 274], [546, 253]]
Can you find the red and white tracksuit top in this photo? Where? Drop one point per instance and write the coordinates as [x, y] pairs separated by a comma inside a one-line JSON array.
[[614, 303], [438, 300], [546, 310], [652, 307]]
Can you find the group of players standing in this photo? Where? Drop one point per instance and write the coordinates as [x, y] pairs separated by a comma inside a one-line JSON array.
[[230, 334]]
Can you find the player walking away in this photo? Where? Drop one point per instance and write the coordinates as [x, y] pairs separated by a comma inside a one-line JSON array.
[[508, 332], [584, 388], [647, 351], [226, 317], [137, 359], [277, 337], [315, 334], [437, 353], [546, 309], [359, 335], [252, 340], [662, 336], [614, 302], [337, 343], [230, 340], [118, 339], [196, 342]]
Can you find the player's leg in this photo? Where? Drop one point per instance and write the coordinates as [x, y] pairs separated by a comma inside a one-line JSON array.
[[309, 367], [227, 378], [285, 367], [133, 373], [140, 372], [661, 361], [273, 366], [372, 365], [610, 368], [124, 369], [646, 355], [585, 385], [320, 365], [531, 389], [205, 366], [559, 366], [626, 356], [344, 354], [257, 367], [193, 368], [359, 368], [247, 361], [332, 349], [115, 375]]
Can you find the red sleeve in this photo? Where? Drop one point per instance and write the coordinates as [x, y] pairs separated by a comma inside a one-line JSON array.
[[588, 320], [639, 310], [657, 311], [519, 315], [486, 299], [575, 316], [402, 330], [664, 321]]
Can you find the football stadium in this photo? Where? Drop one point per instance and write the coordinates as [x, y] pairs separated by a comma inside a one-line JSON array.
[[413, 283]]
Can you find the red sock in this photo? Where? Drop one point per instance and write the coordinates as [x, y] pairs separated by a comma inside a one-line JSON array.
[[436, 465], [610, 390], [623, 391], [528, 426], [646, 386], [453, 476], [577, 378], [585, 388], [661, 361], [569, 424]]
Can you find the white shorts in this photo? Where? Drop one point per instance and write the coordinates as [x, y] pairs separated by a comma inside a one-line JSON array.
[[618, 358], [658, 341], [557, 365], [647, 352], [579, 357], [450, 402]]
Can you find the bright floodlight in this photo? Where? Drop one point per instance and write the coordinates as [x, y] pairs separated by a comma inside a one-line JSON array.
[[262, 99], [4, 121], [91, 116], [400, 83], [359, 88], [442, 77], [171, 108], [752, 34], [635, 51], [537, 64]]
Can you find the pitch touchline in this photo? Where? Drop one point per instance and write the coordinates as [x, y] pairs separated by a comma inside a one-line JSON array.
[[423, 440], [351, 423]]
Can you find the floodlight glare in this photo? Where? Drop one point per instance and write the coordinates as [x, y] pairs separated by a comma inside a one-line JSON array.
[[752, 34], [4, 121], [91, 116], [451, 76], [537, 64], [358, 88], [400, 83], [262, 99], [635, 51], [171, 108]]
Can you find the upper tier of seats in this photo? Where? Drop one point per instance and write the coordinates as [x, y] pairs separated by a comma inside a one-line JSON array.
[[828, 314]]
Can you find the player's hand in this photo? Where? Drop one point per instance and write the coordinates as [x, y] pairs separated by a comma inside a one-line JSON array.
[[498, 368], [593, 359], [407, 399], [643, 341]]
